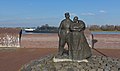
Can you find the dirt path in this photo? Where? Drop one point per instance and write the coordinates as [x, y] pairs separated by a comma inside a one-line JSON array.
[[12, 60]]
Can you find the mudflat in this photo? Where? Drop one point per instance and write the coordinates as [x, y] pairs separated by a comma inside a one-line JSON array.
[[39, 41], [13, 59], [104, 41], [107, 41]]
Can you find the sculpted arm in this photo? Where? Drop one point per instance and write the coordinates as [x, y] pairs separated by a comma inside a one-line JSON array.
[[59, 29], [74, 28], [82, 25]]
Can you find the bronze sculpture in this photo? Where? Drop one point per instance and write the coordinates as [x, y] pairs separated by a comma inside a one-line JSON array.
[[63, 33], [80, 48], [72, 33]]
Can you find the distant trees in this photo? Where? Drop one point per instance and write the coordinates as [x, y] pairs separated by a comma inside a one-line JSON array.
[[94, 27], [108, 28], [104, 28], [118, 27], [46, 27]]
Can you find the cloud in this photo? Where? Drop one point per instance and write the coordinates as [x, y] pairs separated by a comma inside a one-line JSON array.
[[87, 14], [73, 14], [6, 19], [26, 19], [102, 11]]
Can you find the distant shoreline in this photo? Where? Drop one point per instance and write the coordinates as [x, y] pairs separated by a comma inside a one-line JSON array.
[[93, 32], [105, 32]]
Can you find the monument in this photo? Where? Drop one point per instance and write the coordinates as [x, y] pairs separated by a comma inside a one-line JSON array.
[[72, 33], [78, 57], [63, 33]]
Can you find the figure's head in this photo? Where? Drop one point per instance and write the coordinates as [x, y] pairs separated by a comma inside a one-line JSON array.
[[75, 19], [67, 15]]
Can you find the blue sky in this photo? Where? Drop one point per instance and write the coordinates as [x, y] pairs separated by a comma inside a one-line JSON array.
[[32, 13]]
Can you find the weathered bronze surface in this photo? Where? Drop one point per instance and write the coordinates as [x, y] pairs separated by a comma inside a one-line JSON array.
[[64, 32], [72, 33], [79, 46]]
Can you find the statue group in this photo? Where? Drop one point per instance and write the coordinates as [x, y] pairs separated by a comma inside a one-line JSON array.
[[78, 56], [72, 33]]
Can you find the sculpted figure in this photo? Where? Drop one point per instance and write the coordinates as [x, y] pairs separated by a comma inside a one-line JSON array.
[[80, 48], [64, 32]]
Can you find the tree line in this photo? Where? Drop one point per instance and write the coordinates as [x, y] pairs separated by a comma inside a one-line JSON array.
[[47, 27], [104, 27], [91, 27]]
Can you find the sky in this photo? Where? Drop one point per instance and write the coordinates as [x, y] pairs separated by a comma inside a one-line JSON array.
[[33, 13]]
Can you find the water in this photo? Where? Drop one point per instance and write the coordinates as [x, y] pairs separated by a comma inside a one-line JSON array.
[[106, 32], [23, 32], [98, 32]]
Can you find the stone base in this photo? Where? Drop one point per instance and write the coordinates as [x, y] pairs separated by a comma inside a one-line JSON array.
[[65, 60], [95, 63]]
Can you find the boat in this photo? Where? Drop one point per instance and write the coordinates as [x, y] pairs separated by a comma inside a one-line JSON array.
[[29, 30]]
